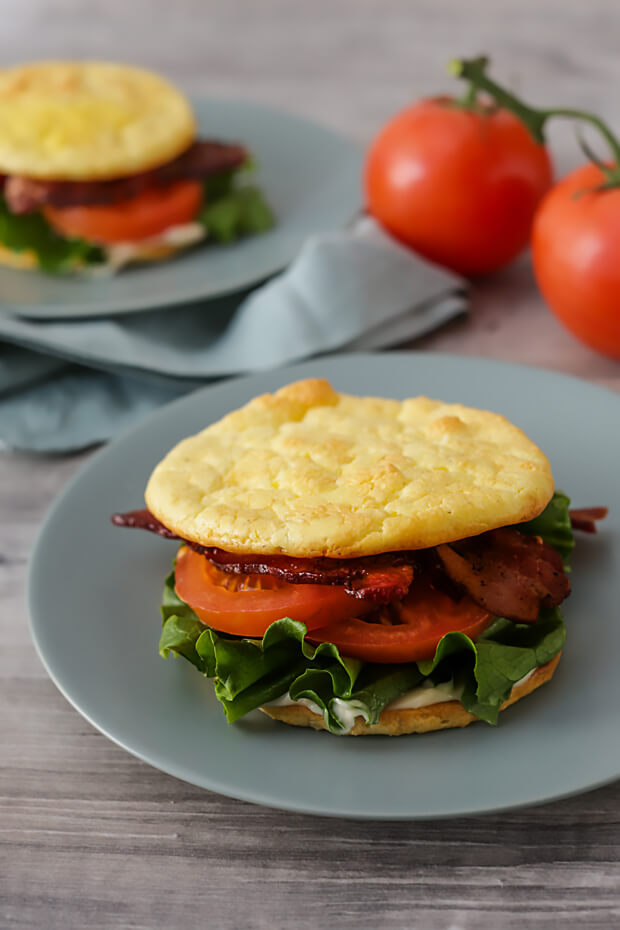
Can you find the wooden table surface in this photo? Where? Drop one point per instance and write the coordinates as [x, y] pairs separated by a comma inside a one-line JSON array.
[[90, 836]]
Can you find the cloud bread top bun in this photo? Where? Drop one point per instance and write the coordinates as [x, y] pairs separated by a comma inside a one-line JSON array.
[[76, 121], [311, 472]]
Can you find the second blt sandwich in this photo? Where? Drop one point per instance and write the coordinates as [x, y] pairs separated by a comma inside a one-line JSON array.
[[101, 166]]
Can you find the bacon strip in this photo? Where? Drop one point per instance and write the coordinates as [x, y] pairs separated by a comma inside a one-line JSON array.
[[373, 578], [584, 518], [508, 573], [379, 579], [203, 158], [143, 520]]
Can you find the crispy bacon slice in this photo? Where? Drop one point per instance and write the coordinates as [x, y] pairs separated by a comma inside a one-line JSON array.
[[203, 158], [376, 578], [510, 574], [380, 579], [382, 585], [584, 518], [143, 520]]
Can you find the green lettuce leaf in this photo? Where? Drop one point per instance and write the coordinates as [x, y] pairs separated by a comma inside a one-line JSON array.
[[554, 526], [234, 213], [506, 652], [31, 232], [229, 212], [221, 184], [249, 673], [375, 686], [181, 628], [232, 208]]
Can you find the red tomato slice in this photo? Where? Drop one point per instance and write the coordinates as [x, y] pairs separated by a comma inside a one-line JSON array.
[[146, 215], [247, 604], [407, 631]]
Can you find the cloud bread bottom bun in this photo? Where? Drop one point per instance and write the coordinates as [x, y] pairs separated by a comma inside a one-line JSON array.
[[442, 716]]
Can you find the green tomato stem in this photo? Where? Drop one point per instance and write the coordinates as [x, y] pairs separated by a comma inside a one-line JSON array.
[[595, 121], [469, 99], [534, 119], [474, 71]]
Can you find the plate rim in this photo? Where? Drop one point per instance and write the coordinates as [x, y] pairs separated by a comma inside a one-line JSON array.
[[259, 797]]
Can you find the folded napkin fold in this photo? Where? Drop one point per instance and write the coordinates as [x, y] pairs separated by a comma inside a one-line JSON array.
[[67, 384]]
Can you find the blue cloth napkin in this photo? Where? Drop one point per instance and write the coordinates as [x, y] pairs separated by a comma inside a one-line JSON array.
[[67, 384]]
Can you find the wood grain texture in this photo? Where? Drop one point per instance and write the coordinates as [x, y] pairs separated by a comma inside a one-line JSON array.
[[90, 836]]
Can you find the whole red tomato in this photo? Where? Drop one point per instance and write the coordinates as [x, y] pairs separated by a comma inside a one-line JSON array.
[[576, 254], [459, 186]]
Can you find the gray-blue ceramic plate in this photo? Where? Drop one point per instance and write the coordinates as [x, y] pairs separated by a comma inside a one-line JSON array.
[[310, 176], [95, 591]]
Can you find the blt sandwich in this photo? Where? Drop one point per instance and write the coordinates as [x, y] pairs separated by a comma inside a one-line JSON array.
[[363, 565]]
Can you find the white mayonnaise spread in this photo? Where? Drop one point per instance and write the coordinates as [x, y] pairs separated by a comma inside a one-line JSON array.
[[120, 254], [423, 696], [426, 694]]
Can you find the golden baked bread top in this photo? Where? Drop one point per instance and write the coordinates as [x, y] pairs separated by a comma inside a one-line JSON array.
[[310, 472], [92, 120]]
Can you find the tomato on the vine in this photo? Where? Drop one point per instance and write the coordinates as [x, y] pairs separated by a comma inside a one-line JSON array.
[[576, 255], [458, 184]]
